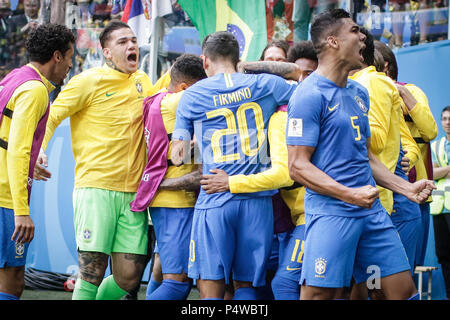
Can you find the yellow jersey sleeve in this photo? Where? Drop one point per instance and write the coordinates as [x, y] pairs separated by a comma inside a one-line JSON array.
[[278, 175], [75, 96], [162, 83], [421, 114], [408, 144], [30, 102], [379, 114]]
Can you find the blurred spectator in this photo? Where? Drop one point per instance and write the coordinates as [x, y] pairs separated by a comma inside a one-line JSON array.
[[5, 50], [23, 23]]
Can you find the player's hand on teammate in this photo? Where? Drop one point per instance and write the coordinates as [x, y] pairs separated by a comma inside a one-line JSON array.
[[364, 196], [40, 171], [404, 163], [24, 229], [421, 190], [216, 182]]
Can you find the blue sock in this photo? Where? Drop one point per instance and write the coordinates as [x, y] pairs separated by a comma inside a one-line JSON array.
[[171, 290], [151, 286], [415, 297], [7, 296], [245, 294], [264, 293], [285, 289]]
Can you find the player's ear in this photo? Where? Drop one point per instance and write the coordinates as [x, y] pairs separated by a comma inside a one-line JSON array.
[[332, 42], [107, 53], [57, 56], [183, 86]]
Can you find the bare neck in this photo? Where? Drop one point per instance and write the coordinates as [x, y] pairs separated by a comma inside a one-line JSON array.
[[334, 69], [45, 69], [221, 67]]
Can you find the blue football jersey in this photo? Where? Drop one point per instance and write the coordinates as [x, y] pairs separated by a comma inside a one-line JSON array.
[[229, 114], [334, 120]]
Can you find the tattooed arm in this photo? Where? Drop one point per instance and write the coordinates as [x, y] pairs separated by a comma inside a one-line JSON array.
[[287, 70], [189, 182]]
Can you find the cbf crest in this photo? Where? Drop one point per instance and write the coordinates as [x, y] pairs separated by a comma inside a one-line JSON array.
[[20, 249], [139, 86], [320, 266], [361, 104]]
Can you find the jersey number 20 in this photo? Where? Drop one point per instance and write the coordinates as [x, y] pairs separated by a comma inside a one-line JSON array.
[[232, 130]]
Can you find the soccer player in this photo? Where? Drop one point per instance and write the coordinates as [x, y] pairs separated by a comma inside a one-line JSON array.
[[423, 127], [171, 207], [105, 109], [389, 137], [291, 197], [303, 54], [229, 112], [24, 108], [328, 137], [276, 50]]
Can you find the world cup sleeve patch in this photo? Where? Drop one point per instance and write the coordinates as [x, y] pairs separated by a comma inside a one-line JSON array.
[[295, 127]]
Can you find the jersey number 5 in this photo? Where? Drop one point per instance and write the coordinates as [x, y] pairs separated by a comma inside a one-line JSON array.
[[356, 127], [232, 129]]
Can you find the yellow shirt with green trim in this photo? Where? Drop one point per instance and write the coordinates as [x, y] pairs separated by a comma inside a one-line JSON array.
[[387, 125], [105, 110], [278, 175], [422, 126], [29, 103], [180, 198]]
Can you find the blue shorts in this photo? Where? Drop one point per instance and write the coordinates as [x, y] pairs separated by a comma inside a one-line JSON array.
[[236, 237], [407, 219], [11, 253], [423, 234], [173, 232], [291, 265], [279, 244], [409, 232], [337, 248]]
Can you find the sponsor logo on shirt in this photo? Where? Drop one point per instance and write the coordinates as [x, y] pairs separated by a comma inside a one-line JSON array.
[[295, 127], [333, 108]]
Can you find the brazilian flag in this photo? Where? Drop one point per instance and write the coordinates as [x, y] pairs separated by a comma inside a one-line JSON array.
[[246, 19]]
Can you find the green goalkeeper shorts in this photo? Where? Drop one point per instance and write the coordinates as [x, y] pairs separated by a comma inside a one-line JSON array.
[[104, 222]]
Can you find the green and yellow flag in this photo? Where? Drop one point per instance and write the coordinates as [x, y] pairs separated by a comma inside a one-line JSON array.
[[246, 19]]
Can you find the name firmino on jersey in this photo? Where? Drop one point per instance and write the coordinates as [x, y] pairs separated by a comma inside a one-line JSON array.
[[233, 97]]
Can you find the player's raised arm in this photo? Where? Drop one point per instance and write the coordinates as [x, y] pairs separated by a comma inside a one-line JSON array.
[[287, 70]]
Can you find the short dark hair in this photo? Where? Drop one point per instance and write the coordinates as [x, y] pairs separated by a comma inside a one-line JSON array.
[[111, 27], [326, 24], [43, 41], [378, 62], [302, 49], [187, 68], [369, 51], [221, 44], [389, 57], [282, 44], [447, 108]]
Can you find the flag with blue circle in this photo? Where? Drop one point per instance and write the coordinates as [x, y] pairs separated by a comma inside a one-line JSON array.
[[246, 20]]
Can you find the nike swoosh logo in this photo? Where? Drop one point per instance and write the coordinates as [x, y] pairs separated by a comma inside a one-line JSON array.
[[331, 109], [110, 94], [292, 269]]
